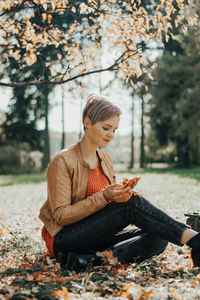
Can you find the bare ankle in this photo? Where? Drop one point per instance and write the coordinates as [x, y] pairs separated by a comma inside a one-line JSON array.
[[187, 235]]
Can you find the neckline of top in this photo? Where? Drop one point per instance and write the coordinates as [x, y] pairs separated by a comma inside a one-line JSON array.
[[95, 169]]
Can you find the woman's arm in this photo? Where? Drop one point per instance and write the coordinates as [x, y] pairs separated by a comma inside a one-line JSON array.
[[59, 195]]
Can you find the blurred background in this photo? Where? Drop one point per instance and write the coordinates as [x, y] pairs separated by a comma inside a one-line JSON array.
[[160, 123]]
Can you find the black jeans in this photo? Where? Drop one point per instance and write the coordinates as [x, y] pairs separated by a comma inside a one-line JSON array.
[[103, 231]]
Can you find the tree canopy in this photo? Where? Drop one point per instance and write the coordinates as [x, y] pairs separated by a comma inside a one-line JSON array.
[[175, 103], [120, 28]]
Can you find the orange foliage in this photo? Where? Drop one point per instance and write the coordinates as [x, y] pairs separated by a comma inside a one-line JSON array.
[[111, 28], [108, 254], [131, 182]]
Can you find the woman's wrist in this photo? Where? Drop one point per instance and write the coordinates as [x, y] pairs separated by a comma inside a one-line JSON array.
[[105, 196]]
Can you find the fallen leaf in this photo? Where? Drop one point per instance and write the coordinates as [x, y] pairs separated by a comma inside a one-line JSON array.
[[62, 292]]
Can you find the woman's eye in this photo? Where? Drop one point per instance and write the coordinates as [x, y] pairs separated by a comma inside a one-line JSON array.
[[108, 129]]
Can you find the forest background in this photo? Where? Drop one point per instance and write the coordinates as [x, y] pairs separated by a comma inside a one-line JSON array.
[[144, 55]]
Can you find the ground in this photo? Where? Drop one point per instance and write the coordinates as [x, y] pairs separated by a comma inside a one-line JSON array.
[[28, 272]]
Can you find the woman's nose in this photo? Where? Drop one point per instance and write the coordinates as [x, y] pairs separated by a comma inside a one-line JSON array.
[[111, 134]]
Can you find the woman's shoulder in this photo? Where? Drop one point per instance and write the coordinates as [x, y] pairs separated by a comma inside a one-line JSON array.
[[68, 155], [71, 150]]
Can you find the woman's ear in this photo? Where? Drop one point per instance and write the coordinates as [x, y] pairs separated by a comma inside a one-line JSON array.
[[87, 122]]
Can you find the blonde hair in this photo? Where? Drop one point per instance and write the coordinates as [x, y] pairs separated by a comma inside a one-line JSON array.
[[98, 108]]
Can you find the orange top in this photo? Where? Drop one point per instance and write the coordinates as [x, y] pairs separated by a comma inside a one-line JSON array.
[[48, 240], [97, 182]]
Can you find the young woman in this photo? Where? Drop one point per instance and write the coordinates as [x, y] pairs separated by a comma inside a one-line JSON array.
[[86, 210]]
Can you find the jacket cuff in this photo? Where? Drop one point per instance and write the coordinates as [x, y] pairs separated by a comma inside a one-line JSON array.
[[107, 200]]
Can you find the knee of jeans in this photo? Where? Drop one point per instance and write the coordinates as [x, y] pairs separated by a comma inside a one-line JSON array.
[[136, 200]]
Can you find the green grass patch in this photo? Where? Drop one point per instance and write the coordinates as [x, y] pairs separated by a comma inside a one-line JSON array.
[[21, 179], [193, 173]]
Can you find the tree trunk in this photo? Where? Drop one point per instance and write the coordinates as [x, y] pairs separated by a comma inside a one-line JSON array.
[[131, 165], [183, 152], [46, 157], [142, 155], [81, 107], [63, 119]]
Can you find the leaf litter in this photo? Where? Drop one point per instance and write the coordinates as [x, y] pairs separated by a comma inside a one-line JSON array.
[[28, 272]]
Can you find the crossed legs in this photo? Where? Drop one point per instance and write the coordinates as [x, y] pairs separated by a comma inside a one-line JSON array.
[[103, 230]]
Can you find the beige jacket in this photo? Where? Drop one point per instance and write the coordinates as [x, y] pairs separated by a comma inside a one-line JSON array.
[[67, 180]]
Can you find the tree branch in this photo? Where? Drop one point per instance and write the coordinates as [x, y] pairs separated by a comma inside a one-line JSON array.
[[113, 67], [15, 9]]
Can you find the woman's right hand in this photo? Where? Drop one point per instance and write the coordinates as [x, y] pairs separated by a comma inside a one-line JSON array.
[[117, 192]]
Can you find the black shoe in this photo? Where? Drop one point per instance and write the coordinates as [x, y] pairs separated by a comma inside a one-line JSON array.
[[75, 262], [78, 262], [194, 243], [196, 257], [61, 258]]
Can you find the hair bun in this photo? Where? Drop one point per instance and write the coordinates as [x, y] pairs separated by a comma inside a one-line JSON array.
[[91, 97]]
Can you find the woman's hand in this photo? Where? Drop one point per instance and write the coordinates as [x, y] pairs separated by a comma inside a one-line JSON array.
[[117, 192]]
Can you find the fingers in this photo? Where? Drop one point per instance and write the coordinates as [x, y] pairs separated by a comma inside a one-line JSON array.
[[123, 190], [116, 186], [119, 187], [118, 193], [121, 195]]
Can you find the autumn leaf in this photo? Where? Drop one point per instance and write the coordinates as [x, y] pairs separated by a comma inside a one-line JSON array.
[[126, 295], [130, 182], [73, 9], [136, 290], [108, 257], [174, 294], [59, 56], [44, 16], [62, 292], [194, 283], [108, 254], [49, 19]]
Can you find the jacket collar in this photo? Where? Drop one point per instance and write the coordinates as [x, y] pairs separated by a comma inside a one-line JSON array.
[[80, 155]]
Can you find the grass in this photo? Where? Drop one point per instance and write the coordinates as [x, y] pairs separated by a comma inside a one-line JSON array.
[[21, 179], [192, 173]]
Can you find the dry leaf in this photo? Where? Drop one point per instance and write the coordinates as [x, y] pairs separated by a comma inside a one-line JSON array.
[[62, 292]]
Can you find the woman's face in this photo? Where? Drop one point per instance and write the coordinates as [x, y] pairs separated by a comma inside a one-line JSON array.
[[102, 132]]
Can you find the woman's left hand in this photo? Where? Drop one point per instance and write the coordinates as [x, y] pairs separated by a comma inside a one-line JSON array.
[[117, 193]]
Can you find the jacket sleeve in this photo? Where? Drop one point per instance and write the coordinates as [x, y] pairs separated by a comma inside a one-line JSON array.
[[59, 194]]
